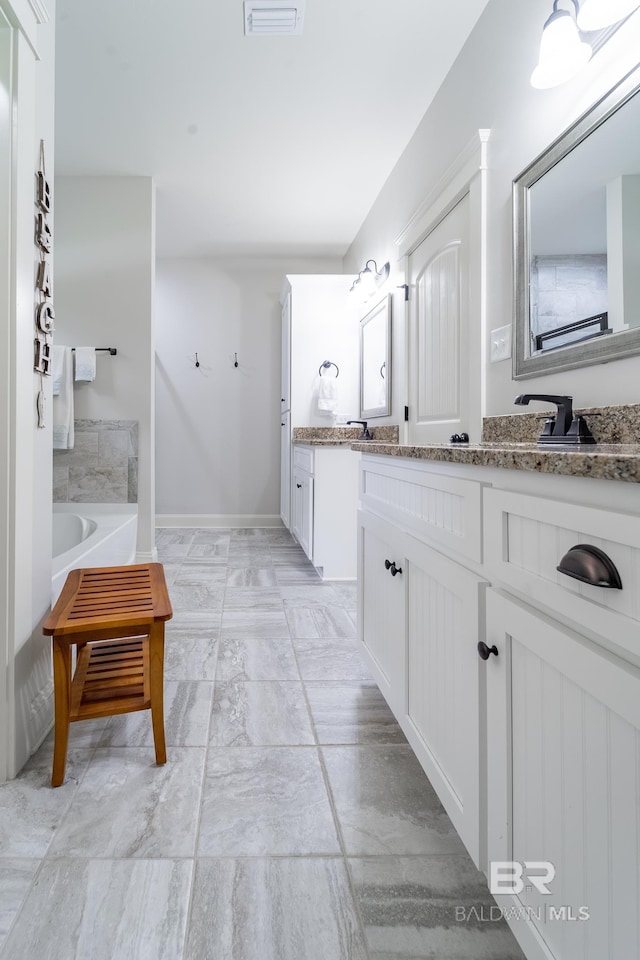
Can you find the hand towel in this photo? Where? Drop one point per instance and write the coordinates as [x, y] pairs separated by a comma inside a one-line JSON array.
[[63, 434], [85, 363], [328, 394], [57, 357]]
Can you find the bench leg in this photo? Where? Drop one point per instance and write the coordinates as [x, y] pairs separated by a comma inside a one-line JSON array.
[[156, 684], [62, 695]]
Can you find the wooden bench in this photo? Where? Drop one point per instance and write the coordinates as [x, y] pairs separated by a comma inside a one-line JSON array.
[[115, 617]]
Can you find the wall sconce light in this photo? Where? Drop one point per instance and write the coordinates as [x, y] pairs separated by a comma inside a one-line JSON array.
[[369, 280], [597, 14], [562, 52]]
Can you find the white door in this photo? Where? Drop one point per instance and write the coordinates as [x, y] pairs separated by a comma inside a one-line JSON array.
[[439, 361], [285, 385]]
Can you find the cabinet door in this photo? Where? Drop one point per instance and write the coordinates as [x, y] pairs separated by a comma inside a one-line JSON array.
[[285, 385], [381, 606], [443, 713], [302, 507], [563, 727], [285, 469]]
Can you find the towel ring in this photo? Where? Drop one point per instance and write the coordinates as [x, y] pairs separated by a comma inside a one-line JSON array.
[[326, 364], [382, 369]]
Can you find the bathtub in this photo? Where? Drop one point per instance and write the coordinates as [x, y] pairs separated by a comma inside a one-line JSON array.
[[91, 535]]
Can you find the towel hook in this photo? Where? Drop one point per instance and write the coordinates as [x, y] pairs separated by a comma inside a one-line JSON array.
[[326, 364], [197, 361], [382, 369], [235, 359]]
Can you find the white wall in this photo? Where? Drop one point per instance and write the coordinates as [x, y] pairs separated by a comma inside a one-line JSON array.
[[488, 86], [218, 427], [105, 284]]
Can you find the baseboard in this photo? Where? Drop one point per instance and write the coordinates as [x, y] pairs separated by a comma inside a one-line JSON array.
[[147, 556], [241, 520]]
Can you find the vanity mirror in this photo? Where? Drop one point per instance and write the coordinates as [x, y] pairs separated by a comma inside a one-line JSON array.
[[375, 361], [577, 242]]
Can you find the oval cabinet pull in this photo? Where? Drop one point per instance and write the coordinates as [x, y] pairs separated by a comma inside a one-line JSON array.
[[590, 565], [485, 651]]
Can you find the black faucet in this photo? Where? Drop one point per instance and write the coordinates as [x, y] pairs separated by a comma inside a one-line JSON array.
[[366, 433], [564, 428]]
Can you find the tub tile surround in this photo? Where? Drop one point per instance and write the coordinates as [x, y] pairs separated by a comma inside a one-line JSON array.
[[103, 465], [335, 436], [290, 820], [509, 442]]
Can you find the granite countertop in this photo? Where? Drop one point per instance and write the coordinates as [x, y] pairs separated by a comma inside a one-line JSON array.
[[604, 461], [341, 436]]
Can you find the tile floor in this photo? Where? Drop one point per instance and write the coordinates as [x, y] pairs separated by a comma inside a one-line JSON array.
[[291, 821]]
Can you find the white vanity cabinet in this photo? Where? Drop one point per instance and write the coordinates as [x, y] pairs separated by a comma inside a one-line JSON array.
[[324, 506], [419, 610]]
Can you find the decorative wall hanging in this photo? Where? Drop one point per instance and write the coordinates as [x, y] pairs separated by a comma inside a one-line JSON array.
[[44, 315]]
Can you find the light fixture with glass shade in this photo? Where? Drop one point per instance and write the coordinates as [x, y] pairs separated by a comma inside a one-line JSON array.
[[598, 14], [562, 52], [369, 280]]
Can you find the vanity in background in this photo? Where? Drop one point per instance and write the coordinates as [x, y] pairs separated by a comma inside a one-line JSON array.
[[518, 686]]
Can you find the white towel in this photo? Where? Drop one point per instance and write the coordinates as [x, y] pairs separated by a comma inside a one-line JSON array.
[[57, 358], [86, 363], [63, 434], [328, 394]]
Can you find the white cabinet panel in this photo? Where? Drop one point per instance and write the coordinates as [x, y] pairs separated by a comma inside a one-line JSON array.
[[564, 782], [285, 377], [302, 510], [381, 615], [443, 603], [285, 469]]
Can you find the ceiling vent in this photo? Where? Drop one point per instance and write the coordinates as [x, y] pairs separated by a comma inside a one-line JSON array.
[[268, 18]]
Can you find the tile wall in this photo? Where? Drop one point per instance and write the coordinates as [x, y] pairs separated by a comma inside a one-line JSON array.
[[102, 467]]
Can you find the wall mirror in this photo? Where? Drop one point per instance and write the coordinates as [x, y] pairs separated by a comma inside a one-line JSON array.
[[375, 361], [577, 242]]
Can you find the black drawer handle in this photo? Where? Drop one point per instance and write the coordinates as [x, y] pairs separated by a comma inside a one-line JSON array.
[[591, 565], [485, 652], [391, 566]]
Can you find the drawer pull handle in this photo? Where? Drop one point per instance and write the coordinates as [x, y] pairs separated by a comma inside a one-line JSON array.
[[591, 565], [391, 567], [485, 652]]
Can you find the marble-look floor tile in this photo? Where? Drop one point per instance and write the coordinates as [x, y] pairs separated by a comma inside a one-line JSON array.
[[213, 535], [385, 804], [190, 658], [346, 592], [210, 551], [254, 625], [256, 660], [127, 806], [171, 568], [330, 660], [429, 908], [193, 573], [16, 877], [265, 801], [31, 810], [313, 622], [293, 573], [197, 595], [264, 713], [317, 594], [352, 713], [289, 909], [250, 599], [83, 734], [249, 551], [104, 909], [252, 577], [243, 561], [187, 712], [285, 556]]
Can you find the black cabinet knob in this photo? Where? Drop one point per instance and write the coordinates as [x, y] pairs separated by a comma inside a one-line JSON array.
[[298, 485], [282, 399], [387, 564], [485, 652], [282, 423], [395, 570]]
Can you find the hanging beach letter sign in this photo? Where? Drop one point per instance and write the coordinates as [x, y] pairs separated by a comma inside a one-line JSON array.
[[44, 315]]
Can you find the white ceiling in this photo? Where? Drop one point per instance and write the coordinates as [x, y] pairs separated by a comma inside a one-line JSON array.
[[266, 146]]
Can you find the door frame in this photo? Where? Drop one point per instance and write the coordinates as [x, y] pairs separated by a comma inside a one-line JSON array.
[[467, 174]]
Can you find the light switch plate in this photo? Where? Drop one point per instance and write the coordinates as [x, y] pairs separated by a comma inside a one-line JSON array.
[[500, 343]]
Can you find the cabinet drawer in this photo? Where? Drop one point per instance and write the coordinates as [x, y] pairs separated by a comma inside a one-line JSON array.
[[526, 537], [444, 510], [303, 458]]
